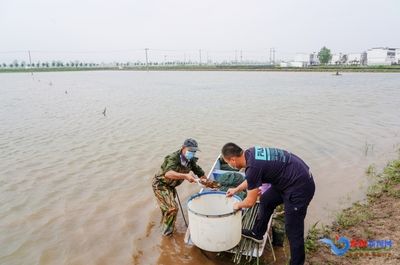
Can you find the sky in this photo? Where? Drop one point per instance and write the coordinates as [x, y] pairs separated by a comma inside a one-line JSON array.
[[104, 30]]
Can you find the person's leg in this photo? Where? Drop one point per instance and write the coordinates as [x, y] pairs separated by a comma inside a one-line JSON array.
[[269, 200], [294, 225], [169, 209], [296, 204]]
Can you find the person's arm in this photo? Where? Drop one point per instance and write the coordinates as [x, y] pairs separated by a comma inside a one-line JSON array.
[[198, 170], [230, 192], [171, 174], [249, 201], [252, 182]]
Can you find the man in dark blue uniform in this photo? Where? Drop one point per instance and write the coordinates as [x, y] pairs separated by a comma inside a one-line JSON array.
[[291, 183]]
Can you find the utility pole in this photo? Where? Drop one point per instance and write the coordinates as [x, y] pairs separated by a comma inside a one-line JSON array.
[[30, 63], [270, 56], [200, 57], [30, 60], [236, 61], [273, 55], [147, 59]]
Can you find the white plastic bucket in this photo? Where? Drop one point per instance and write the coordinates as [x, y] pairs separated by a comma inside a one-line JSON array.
[[213, 224]]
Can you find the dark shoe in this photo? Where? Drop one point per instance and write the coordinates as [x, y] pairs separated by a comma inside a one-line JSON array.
[[250, 235]]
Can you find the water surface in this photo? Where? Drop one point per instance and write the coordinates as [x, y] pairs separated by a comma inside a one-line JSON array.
[[75, 184]]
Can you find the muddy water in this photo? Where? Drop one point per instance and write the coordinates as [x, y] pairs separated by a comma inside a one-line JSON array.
[[75, 184]]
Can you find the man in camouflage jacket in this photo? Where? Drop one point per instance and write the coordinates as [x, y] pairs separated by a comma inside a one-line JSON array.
[[177, 167]]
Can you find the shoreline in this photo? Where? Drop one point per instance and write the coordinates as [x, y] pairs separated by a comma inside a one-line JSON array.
[[217, 68], [363, 224]]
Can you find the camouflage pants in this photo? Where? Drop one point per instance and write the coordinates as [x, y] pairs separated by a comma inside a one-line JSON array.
[[169, 209]]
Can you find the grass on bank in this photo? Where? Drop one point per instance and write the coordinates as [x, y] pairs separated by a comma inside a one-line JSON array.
[[386, 183]]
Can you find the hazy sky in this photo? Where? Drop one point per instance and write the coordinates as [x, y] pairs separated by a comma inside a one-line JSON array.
[[100, 29]]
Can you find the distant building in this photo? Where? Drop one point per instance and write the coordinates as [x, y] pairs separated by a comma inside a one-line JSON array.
[[301, 60], [284, 64], [381, 56], [302, 57], [354, 58], [397, 56], [364, 58], [338, 58], [304, 60], [298, 64], [293, 64], [335, 58], [314, 59], [357, 58]]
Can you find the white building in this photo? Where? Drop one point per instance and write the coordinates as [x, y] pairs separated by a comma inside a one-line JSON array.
[[357, 58], [338, 58], [381, 56], [314, 59], [284, 64], [292, 64], [298, 64], [397, 56], [304, 60]]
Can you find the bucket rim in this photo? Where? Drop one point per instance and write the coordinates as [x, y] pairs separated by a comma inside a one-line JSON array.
[[211, 215]]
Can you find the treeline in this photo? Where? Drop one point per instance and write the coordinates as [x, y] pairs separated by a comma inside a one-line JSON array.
[[78, 64], [53, 64]]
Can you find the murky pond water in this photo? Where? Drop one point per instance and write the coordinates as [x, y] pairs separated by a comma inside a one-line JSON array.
[[75, 184]]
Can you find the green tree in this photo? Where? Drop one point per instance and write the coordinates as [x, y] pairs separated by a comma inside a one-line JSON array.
[[324, 55]]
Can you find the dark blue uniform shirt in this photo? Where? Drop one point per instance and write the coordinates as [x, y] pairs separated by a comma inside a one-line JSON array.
[[278, 167]]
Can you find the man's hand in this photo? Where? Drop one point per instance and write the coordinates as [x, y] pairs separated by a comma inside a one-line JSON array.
[[230, 192], [190, 178], [236, 206]]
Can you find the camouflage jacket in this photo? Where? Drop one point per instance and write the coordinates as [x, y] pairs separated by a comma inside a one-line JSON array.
[[173, 162]]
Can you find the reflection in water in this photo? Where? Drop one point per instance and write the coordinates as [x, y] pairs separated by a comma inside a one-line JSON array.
[[75, 184]]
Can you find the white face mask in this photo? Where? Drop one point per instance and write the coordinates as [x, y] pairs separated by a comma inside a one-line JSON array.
[[189, 155]]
